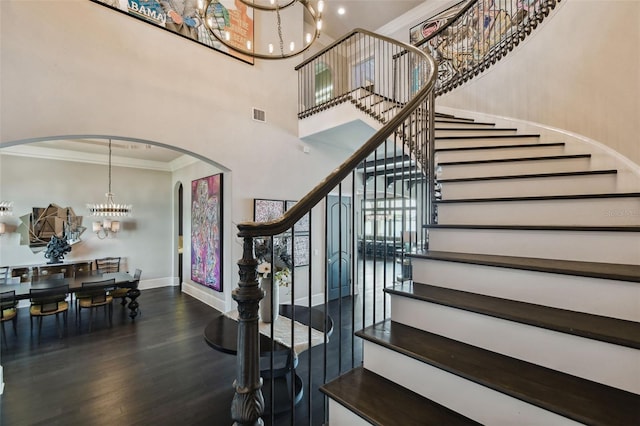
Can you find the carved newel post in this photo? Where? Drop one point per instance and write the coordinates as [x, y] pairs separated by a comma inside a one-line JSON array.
[[248, 403]]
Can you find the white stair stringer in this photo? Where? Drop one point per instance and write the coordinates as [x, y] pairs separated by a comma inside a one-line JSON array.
[[612, 298], [580, 245], [563, 212], [568, 353], [464, 396]]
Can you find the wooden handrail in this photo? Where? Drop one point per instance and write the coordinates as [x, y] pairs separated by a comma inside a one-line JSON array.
[[293, 215]]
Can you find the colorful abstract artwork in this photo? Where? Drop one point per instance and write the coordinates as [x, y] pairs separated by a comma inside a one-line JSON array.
[[206, 231], [182, 18]]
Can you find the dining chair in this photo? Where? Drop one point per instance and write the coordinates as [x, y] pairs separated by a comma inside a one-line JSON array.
[[24, 274], [49, 301], [121, 292], [82, 269], [95, 294], [108, 264], [8, 311], [44, 271]]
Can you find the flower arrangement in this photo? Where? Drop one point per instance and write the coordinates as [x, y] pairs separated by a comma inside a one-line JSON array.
[[267, 251]]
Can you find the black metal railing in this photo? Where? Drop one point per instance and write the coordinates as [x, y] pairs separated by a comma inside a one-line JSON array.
[[478, 35], [363, 217]]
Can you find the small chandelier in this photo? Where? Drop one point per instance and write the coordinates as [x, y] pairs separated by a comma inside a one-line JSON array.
[[110, 208], [268, 16], [6, 208]]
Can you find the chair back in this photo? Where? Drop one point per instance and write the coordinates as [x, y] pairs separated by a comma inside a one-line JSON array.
[[108, 264], [136, 278], [82, 269], [45, 271], [7, 301], [98, 290], [23, 273], [49, 299]]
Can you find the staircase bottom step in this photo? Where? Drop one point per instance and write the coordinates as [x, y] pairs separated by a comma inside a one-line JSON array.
[[382, 402]]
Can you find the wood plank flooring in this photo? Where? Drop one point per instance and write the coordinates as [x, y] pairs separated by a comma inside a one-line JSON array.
[[155, 371]]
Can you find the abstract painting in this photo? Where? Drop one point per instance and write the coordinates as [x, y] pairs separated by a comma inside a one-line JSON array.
[[206, 231]]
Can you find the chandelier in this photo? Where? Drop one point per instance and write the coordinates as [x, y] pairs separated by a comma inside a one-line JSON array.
[[283, 28], [109, 208], [6, 208]]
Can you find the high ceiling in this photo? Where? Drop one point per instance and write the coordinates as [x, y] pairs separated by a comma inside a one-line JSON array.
[[366, 14]]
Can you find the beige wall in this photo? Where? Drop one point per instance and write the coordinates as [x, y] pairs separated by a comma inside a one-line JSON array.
[[580, 71], [33, 182], [79, 68]]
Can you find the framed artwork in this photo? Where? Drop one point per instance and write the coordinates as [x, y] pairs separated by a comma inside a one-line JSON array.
[[181, 17], [300, 250], [206, 231], [303, 224], [267, 210]]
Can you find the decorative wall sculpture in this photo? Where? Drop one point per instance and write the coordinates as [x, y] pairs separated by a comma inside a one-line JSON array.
[[38, 227], [206, 231]]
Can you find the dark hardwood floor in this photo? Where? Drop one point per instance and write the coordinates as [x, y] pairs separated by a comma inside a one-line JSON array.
[[155, 371]]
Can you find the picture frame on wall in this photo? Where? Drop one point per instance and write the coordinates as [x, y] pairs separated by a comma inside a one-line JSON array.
[[303, 225], [181, 18], [267, 210], [206, 231]]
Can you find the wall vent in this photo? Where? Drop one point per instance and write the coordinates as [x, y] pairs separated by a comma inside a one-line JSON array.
[[259, 115]]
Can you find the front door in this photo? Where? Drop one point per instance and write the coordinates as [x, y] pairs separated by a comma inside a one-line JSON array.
[[339, 246]]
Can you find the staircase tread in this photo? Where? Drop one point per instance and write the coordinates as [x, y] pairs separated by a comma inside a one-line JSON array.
[[570, 396], [597, 327], [453, 120], [612, 271], [383, 402], [472, 129], [532, 175], [543, 197], [625, 228], [485, 147]]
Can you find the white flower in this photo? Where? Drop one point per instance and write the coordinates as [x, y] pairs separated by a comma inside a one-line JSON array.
[[283, 277], [264, 269]]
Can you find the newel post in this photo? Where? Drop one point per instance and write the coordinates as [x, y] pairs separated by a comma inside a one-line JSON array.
[[248, 403]]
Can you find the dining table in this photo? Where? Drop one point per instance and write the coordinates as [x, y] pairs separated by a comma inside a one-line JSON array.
[[122, 280]]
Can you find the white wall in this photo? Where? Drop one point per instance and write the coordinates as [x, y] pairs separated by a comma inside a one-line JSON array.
[[579, 71], [79, 68], [144, 239]]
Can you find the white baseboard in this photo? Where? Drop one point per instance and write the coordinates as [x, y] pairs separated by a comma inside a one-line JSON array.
[[205, 296], [158, 282]]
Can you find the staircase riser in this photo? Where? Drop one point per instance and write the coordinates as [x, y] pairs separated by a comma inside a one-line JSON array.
[[617, 299], [341, 416], [461, 125], [597, 184], [512, 168], [474, 143], [608, 247], [571, 354], [589, 212], [489, 154], [461, 395], [470, 133]]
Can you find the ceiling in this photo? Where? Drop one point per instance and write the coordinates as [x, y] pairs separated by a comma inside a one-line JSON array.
[[366, 14]]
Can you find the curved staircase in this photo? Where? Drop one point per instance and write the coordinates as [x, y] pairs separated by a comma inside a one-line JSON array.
[[525, 310]]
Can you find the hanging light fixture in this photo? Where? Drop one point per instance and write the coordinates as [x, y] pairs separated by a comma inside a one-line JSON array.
[[6, 208], [279, 26], [110, 209]]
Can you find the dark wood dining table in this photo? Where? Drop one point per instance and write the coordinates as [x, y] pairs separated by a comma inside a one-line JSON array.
[[122, 279]]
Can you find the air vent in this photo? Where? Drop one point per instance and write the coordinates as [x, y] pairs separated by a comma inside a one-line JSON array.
[[259, 115]]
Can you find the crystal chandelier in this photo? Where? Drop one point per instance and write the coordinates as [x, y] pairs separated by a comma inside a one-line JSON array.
[[279, 29], [110, 208]]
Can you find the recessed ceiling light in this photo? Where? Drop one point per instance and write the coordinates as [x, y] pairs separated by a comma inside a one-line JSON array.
[[341, 10]]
